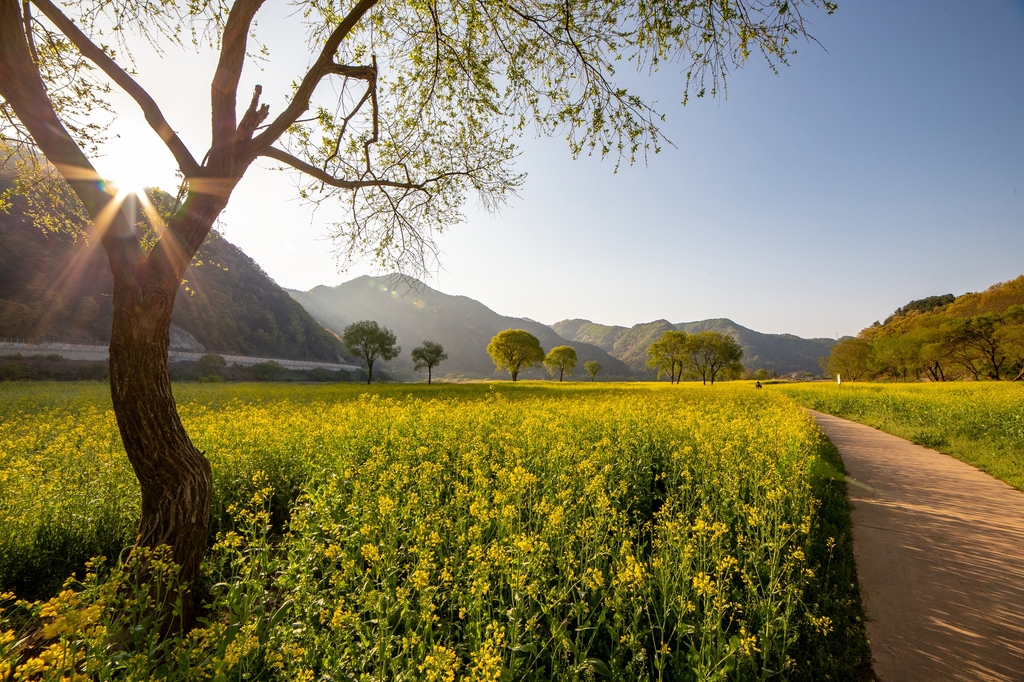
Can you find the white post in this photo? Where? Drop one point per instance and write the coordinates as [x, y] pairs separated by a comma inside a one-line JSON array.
[[839, 379]]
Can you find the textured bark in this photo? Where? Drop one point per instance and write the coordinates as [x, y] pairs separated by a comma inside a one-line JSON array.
[[174, 477]]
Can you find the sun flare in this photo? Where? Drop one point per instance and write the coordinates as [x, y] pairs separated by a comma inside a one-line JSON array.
[[127, 186]]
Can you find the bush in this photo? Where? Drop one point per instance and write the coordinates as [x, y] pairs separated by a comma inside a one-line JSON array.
[[322, 374], [267, 371]]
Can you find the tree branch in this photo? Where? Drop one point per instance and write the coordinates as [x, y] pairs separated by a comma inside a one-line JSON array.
[[254, 116], [224, 87], [328, 179], [323, 66], [27, 17], [94, 53], [369, 74], [363, 73]]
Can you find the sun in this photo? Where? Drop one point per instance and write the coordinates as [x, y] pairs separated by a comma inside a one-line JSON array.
[[124, 175], [127, 186]]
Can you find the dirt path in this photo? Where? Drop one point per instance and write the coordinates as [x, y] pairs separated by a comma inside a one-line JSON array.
[[940, 557]]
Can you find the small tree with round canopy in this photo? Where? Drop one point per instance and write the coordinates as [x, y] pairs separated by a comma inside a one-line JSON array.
[[561, 359], [428, 355], [514, 350], [592, 367], [371, 342]]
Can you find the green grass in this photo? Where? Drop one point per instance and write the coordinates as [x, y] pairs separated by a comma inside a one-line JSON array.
[[528, 532], [979, 423]]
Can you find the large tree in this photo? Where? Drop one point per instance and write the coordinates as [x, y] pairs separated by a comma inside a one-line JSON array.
[[371, 342], [670, 355], [711, 352], [514, 350], [849, 359], [406, 108]]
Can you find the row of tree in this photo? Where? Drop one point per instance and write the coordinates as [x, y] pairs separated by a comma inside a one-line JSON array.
[[705, 355], [371, 342], [941, 338], [514, 350]]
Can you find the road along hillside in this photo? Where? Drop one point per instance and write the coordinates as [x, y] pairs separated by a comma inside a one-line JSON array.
[[940, 557]]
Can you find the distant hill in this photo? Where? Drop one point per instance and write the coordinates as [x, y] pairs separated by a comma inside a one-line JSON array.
[[783, 353], [54, 287], [417, 313], [627, 344]]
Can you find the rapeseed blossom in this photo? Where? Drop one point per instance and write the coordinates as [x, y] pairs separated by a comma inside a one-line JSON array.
[[527, 532]]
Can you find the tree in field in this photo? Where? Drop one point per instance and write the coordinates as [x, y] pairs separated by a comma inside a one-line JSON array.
[[712, 352], [897, 355], [405, 110], [670, 355], [429, 355], [371, 342], [561, 359], [989, 346], [850, 359], [514, 350], [592, 367]]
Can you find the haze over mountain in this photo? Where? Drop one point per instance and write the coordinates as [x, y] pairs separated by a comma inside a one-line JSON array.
[[55, 287], [465, 326], [462, 325], [783, 353]]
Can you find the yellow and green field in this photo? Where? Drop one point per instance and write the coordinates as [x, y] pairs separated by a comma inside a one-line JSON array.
[[477, 532], [981, 423]]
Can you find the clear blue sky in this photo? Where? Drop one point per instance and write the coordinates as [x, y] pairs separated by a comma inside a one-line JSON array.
[[884, 166]]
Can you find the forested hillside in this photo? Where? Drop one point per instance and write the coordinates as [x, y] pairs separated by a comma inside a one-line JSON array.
[[781, 353], [55, 287], [974, 336], [417, 313]]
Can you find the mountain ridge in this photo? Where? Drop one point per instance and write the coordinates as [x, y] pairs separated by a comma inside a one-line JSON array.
[[781, 353], [57, 287], [417, 312]]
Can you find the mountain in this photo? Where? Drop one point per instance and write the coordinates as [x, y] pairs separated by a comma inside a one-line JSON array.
[[783, 353], [415, 312], [53, 286], [627, 344]]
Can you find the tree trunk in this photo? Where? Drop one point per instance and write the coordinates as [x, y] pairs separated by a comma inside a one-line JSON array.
[[369, 372], [173, 475], [428, 375]]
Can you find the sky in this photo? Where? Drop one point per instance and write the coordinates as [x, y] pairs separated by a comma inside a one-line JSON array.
[[884, 165]]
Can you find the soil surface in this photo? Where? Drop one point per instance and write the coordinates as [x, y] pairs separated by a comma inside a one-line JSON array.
[[940, 558]]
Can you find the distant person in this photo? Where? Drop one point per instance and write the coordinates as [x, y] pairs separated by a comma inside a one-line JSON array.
[[757, 385]]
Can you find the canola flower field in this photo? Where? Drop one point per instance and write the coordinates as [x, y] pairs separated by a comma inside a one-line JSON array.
[[981, 423], [476, 532]]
